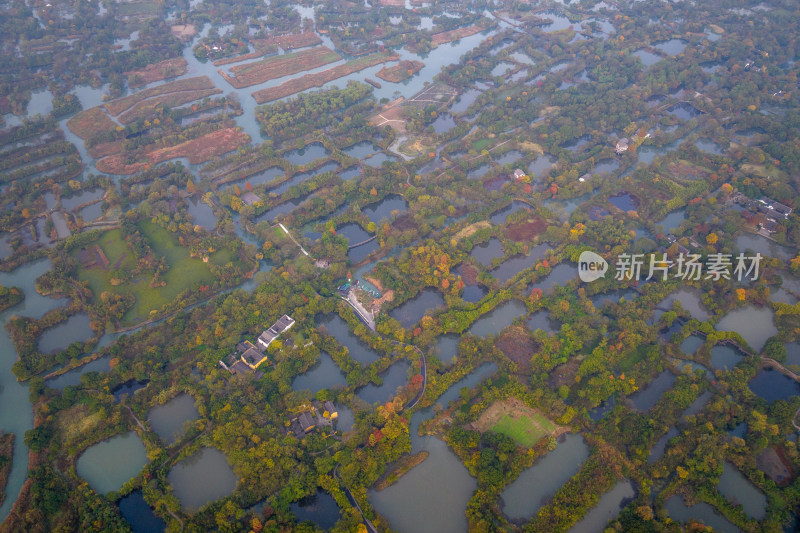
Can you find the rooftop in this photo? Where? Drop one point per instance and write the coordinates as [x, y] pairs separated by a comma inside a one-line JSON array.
[[270, 334]]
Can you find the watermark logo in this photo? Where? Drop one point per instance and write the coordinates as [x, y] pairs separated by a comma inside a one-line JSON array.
[[591, 266], [692, 267], [689, 267]]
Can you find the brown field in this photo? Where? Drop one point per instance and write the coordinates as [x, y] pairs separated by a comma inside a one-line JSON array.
[[105, 149], [320, 78], [513, 408], [147, 107], [157, 72], [393, 116], [688, 171], [184, 32], [564, 374], [469, 274], [450, 36], [531, 147], [290, 41], [401, 71], [771, 462], [404, 222], [454, 35], [526, 230], [196, 151], [472, 229], [279, 66], [518, 346], [115, 107], [392, 3], [89, 123]]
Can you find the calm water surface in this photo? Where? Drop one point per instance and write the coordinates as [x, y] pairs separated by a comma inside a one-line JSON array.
[[101, 467], [201, 478]]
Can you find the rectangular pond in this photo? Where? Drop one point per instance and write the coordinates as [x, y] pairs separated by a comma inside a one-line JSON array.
[[523, 498], [385, 208], [646, 398], [609, 506], [410, 312], [75, 329], [497, 319], [501, 215], [739, 491], [514, 265], [306, 154]]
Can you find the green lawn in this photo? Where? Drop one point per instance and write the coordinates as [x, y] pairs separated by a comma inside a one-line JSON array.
[[184, 271], [524, 430], [480, 144], [116, 251]]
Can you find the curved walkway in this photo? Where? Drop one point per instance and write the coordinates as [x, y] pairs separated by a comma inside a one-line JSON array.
[[371, 528]]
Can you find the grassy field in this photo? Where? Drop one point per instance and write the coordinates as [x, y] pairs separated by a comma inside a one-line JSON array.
[[526, 430], [480, 144], [184, 271], [513, 418]]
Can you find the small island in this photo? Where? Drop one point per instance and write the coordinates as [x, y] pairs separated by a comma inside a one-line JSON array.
[[10, 296]]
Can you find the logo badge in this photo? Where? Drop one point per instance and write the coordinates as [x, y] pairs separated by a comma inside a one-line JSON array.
[[591, 266]]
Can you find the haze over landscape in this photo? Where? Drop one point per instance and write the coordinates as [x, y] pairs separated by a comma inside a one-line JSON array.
[[400, 266]]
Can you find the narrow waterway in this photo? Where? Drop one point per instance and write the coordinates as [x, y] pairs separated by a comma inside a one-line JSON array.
[[16, 414]]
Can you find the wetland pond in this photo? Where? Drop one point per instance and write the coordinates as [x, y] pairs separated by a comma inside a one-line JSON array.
[[535, 485], [753, 324], [101, 467], [446, 347], [410, 312], [139, 514], [771, 385], [320, 508], [498, 318], [306, 154], [516, 264], [646, 398], [201, 478], [379, 210], [439, 488], [609, 506], [74, 329], [679, 511], [323, 375], [484, 253], [338, 329], [396, 376], [169, 421]]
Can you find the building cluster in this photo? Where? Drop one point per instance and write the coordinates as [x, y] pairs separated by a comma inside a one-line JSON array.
[[771, 211], [672, 239], [248, 356], [321, 415]]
